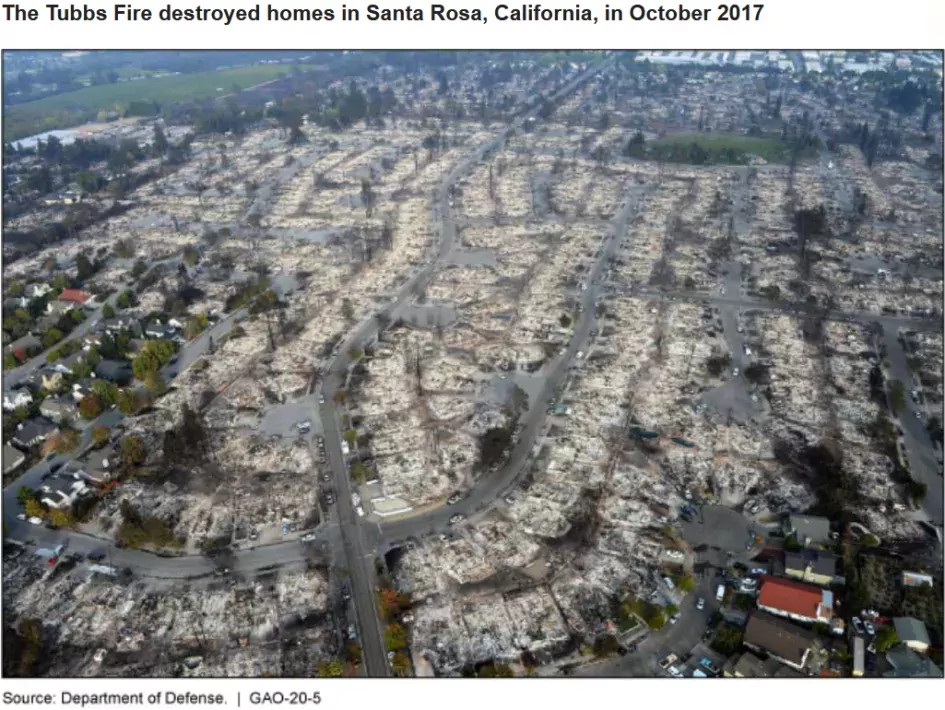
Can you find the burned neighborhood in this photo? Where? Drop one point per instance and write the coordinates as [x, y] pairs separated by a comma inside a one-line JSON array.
[[475, 364]]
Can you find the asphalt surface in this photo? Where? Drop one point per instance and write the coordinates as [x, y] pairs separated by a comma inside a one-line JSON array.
[[920, 449]]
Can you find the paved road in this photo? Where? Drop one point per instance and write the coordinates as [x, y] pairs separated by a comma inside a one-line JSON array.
[[495, 485], [678, 638], [920, 449]]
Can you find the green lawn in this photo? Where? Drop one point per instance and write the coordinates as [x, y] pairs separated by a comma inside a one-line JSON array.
[[715, 148], [76, 107]]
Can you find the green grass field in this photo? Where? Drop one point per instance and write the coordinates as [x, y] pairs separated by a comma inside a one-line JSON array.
[[76, 107], [726, 148]]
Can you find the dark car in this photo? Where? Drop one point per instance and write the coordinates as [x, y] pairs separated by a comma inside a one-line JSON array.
[[345, 591], [96, 555]]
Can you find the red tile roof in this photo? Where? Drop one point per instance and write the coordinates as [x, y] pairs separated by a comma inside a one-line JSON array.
[[791, 597], [73, 295]]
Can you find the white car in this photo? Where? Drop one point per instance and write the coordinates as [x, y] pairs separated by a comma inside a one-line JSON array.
[[308, 537], [321, 399], [360, 511], [458, 518], [700, 605], [675, 554], [580, 354], [870, 629], [735, 372], [857, 624], [674, 672]]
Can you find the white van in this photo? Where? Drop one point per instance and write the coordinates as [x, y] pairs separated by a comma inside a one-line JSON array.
[[720, 593]]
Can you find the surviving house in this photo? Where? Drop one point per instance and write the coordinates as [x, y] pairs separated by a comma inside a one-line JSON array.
[[801, 602], [811, 565], [58, 409], [912, 633], [746, 665], [100, 465], [117, 371], [122, 323], [61, 491], [158, 330], [32, 431], [12, 459], [74, 296], [916, 579], [808, 529], [780, 639], [906, 663], [17, 398]]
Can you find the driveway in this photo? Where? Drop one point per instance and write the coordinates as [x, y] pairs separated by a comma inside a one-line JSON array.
[[720, 528]]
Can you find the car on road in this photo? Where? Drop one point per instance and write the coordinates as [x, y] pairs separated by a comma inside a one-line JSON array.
[[580, 354], [304, 426], [700, 605], [708, 665], [51, 562], [870, 629], [326, 477], [675, 617], [352, 632], [321, 399], [458, 518], [675, 672], [509, 500], [308, 537], [345, 590], [668, 661], [360, 511], [222, 571], [329, 498], [735, 372], [96, 555], [857, 624], [454, 499], [675, 554], [35, 521]]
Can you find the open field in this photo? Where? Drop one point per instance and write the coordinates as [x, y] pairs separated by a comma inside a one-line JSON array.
[[65, 110], [718, 148]]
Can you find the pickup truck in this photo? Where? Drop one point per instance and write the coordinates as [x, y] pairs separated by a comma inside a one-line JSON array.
[[668, 661]]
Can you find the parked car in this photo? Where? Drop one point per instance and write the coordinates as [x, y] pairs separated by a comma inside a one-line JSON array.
[[700, 605], [870, 629], [458, 518], [454, 499], [96, 555], [345, 591], [675, 554], [675, 617], [675, 672], [857, 624], [668, 661], [308, 537]]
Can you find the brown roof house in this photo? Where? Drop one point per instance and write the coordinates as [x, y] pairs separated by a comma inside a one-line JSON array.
[[778, 638]]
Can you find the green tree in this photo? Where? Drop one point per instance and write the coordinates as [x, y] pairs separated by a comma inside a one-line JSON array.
[[400, 664], [61, 518], [132, 450], [126, 402], [671, 609], [107, 392], [155, 384], [685, 583], [728, 639], [108, 311], [897, 396], [124, 300], [90, 407], [655, 618], [51, 337], [191, 256], [358, 472], [9, 361], [24, 494], [886, 638], [65, 441], [34, 509], [100, 434], [395, 637], [331, 669], [351, 436]]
